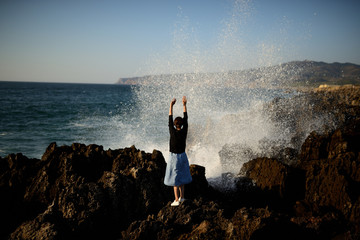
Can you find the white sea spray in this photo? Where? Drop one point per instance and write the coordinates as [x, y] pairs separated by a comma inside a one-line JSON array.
[[225, 107]]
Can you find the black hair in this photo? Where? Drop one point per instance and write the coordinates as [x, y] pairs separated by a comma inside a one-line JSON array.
[[178, 122]]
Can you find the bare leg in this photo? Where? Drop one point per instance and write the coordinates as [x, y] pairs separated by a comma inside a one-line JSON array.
[[176, 193], [182, 191]]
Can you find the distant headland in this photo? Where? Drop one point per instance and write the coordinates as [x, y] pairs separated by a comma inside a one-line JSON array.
[[296, 73]]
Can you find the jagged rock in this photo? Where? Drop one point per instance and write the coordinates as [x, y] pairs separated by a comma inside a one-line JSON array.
[[199, 187], [83, 191], [16, 173], [47, 225], [267, 173], [332, 165], [201, 219], [90, 189], [323, 187], [280, 184]]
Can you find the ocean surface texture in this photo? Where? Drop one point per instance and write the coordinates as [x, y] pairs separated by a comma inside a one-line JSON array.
[[35, 114]]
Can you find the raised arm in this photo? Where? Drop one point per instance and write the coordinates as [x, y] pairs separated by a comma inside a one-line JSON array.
[[171, 106], [184, 103]]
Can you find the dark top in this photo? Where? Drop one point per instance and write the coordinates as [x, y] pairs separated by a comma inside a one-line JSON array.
[[178, 137]]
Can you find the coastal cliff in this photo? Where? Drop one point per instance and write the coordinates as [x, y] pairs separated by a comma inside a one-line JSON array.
[[81, 191]]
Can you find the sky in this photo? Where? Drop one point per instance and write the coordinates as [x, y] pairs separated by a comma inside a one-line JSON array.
[[88, 41]]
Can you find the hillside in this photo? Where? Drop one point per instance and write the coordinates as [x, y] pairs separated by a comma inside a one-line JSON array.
[[315, 73], [297, 73]]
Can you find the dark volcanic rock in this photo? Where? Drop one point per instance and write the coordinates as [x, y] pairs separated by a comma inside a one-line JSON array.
[[332, 165], [280, 184], [322, 188], [201, 219], [16, 173], [199, 187], [80, 190]]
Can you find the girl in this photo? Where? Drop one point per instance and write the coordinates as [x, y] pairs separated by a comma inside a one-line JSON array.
[[177, 169]]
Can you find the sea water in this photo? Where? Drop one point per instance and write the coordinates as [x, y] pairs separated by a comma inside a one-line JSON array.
[[35, 114]]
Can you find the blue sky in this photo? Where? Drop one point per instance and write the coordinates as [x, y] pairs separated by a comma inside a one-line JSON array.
[[101, 41]]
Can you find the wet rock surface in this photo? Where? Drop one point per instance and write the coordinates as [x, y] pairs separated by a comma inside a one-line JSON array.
[[79, 191]]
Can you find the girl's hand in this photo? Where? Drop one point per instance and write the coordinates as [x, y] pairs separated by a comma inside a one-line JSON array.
[[184, 100], [173, 101]]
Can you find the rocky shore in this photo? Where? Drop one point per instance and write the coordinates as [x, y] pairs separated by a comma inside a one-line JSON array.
[[86, 192]]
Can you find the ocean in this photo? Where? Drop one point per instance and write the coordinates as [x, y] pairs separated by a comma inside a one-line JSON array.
[[33, 115]]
